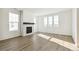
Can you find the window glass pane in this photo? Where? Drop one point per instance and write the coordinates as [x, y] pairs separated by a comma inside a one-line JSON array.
[[13, 26], [50, 20], [45, 21], [56, 20], [13, 17]]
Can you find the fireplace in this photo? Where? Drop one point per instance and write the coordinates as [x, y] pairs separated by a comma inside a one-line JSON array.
[[28, 30]]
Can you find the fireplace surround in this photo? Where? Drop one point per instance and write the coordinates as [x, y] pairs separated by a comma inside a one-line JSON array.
[[28, 28]]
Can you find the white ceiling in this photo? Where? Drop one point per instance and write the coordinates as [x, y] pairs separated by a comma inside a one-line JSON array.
[[43, 11]]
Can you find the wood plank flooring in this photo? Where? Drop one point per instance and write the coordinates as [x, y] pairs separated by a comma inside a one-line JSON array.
[[35, 43]]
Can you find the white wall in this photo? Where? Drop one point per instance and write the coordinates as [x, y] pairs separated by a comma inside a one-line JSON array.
[[27, 16], [5, 24], [74, 25], [65, 24]]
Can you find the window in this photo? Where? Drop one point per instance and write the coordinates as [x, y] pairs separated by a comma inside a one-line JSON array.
[[50, 20], [13, 21], [56, 20], [45, 21], [34, 20]]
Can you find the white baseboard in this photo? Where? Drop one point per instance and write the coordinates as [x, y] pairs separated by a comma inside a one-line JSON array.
[[5, 37]]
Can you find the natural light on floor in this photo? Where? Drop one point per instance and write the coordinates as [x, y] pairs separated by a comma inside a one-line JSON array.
[[44, 36], [60, 42]]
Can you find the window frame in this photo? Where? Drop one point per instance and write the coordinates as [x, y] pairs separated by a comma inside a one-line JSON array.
[[56, 20], [50, 20], [14, 21]]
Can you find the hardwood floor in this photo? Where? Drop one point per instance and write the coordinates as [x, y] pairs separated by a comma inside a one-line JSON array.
[[35, 42]]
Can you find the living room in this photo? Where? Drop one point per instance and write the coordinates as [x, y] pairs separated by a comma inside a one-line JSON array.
[[37, 29]]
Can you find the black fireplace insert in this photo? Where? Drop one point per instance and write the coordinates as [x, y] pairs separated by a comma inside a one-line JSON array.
[[28, 30]]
